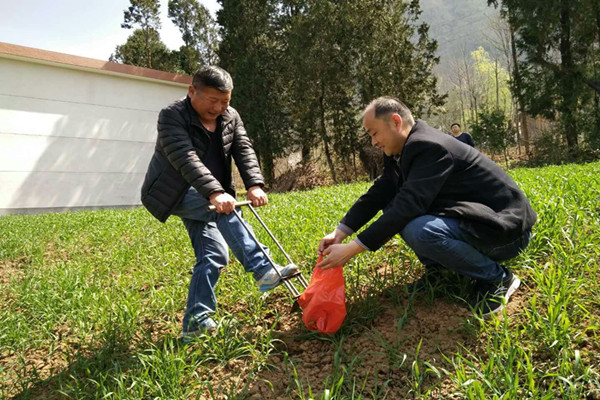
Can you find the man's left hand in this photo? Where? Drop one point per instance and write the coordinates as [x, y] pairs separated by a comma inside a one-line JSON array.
[[337, 255], [257, 196]]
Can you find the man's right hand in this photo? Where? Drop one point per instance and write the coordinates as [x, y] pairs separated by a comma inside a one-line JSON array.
[[335, 237], [224, 202]]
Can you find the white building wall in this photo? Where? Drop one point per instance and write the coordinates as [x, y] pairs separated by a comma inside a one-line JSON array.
[[73, 137]]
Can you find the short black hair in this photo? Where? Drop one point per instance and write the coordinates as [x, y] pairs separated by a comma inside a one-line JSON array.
[[456, 123], [214, 77], [386, 105]]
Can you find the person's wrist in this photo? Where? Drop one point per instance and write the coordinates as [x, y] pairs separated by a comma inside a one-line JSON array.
[[345, 229], [214, 195], [356, 248], [340, 235]]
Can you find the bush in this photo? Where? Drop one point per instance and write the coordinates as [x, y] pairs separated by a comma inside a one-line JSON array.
[[494, 132]]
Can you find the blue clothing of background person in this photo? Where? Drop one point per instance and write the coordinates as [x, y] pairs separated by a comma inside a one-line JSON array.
[[462, 137]]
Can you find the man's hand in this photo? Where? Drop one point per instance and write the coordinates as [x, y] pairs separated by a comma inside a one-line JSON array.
[[337, 255], [257, 196], [335, 237], [224, 202]]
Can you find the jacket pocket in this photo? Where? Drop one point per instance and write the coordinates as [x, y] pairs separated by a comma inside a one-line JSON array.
[[154, 173]]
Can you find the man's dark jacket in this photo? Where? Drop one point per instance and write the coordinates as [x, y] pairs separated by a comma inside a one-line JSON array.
[[177, 161], [438, 175]]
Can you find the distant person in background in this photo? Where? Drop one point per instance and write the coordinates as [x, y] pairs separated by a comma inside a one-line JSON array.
[[463, 137]]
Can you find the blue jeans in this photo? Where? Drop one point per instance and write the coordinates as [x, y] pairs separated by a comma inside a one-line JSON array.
[[439, 240], [210, 234]]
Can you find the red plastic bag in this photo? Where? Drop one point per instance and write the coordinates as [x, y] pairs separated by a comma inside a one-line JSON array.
[[324, 300]]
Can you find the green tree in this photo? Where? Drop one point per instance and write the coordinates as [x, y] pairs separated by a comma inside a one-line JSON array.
[[322, 49], [494, 81], [344, 54], [397, 55], [144, 47], [251, 51], [556, 46], [139, 44], [303, 70], [199, 34], [494, 132], [142, 13]]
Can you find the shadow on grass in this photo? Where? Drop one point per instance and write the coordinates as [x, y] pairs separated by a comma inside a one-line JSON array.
[[95, 372], [387, 330]]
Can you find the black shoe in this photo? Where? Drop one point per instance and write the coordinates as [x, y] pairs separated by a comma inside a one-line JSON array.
[[430, 279], [490, 298]]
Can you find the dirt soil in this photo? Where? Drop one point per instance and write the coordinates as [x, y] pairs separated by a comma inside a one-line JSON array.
[[379, 356], [380, 353], [301, 178], [11, 269]]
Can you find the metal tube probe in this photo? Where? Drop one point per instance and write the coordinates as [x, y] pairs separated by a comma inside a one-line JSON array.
[[291, 288]]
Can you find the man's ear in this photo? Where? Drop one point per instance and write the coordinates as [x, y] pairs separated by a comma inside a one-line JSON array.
[[191, 90], [397, 121]]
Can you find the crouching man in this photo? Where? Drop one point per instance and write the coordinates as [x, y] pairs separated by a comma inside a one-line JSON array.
[[453, 206], [190, 170]]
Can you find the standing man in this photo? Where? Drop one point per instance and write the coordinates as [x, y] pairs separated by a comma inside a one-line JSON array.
[[463, 137], [453, 206], [191, 169]]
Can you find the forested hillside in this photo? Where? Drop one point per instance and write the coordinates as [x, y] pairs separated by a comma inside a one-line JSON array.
[[459, 27]]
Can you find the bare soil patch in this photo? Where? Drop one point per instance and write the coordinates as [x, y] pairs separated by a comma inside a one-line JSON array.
[[301, 178], [379, 356], [11, 269]]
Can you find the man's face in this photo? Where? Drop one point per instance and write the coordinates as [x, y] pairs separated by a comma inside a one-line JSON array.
[[209, 102], [386, 133], [455, 129]]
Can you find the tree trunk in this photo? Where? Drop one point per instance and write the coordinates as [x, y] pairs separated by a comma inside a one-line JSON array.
[[567, 81], [267, 164], [470, 92], [597, 103], [148, 52], [518, 95], [515, 118], [497, 89], [324, 133], [462, 105], [268, 168], [305, 151]]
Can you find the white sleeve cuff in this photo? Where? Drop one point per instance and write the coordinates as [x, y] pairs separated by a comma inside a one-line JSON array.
[[345, 228], [361, 244]]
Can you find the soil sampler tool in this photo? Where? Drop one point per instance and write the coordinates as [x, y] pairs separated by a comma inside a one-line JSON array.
[[287, 281]]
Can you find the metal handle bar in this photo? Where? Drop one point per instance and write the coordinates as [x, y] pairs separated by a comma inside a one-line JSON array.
[[237, 204], [249, 204]]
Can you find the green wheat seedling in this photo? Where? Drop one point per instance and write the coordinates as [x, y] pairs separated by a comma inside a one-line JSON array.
[[92, 304]]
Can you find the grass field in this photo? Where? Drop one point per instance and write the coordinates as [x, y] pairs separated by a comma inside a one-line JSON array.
[[92, 305]]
